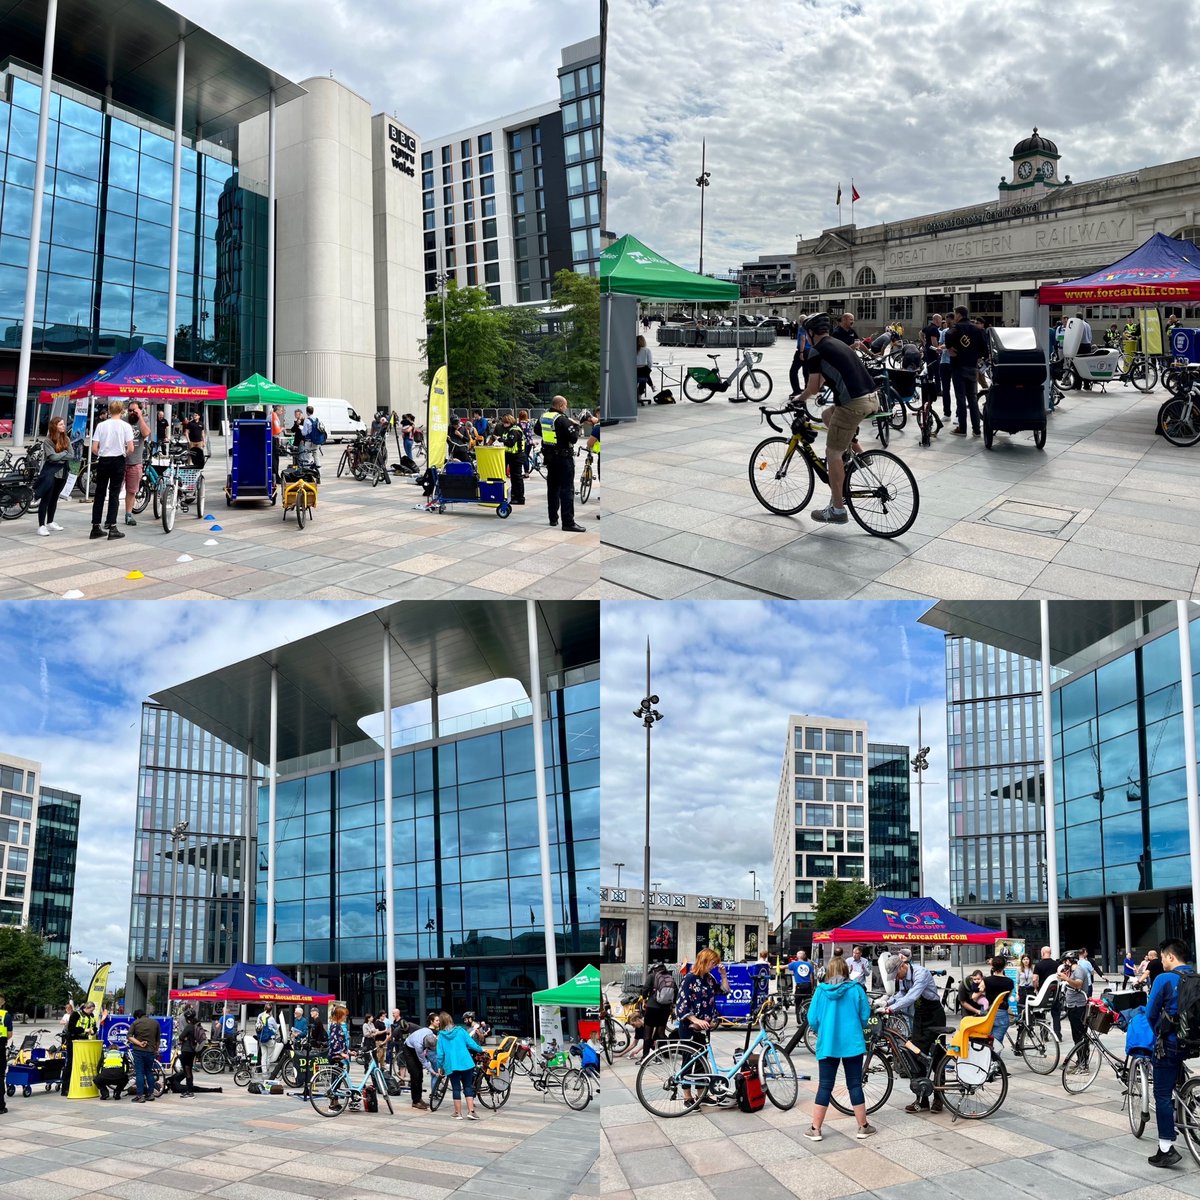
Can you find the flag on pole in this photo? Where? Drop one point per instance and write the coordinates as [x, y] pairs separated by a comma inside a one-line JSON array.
[[437, 418], [854, 193], [97, 987], [839, 199], [532, 918]]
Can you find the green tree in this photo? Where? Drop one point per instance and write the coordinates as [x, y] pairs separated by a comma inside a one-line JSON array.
[[841, 901], [29, 975], [571, 361], [486, 355]]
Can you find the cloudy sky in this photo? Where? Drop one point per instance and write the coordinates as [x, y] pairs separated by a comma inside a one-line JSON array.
[[728, 675], [439, 67], [77, 675], [919, 103]]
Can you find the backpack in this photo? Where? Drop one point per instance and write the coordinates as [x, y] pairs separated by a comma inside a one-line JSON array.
[[201, 1035], [749, 1090], [666, 396], [370, 1101], [664, 989], [1187, 1021], [267, 1030], [316, 431]]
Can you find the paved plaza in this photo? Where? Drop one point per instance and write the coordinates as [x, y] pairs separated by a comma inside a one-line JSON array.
[[364, 543], [1042, 1142], [1107, 510], [235, 1146]]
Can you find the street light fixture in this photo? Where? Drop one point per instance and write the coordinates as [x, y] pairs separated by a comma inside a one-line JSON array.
[[443, 281], [920, 764], [702, 181], [753, 884], [177, 835], [648, 715], [618, 866]]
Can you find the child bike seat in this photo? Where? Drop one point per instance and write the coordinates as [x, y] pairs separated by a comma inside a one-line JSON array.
[[977, 1028]]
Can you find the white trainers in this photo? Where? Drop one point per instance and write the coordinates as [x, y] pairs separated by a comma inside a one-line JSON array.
[[55, 526], [43, 531], [814, 1134]]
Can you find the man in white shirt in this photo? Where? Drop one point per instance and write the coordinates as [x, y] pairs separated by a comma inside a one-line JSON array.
[[112, 440], [859, 967]]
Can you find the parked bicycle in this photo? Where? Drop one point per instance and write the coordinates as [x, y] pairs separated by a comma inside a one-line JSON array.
[[215, 1058], [1179, 417], [676, 1077], [1084, 1060], [586, 477], [332, 1090], [753, 383], [1140, 369], [1138, 1102], [880, 491], [1034, 1040], [552, 1077], [614, 1035]]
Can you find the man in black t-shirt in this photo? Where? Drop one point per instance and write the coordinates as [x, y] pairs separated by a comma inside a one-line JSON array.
[[930, 336], [854, 399], [967, 346], [844, 331], [1047, 968]]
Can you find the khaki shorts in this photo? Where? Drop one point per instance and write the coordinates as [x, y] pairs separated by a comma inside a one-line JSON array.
[[845, 419]]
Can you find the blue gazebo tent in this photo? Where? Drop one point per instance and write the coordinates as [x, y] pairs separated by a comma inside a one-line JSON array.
[[921, 920]]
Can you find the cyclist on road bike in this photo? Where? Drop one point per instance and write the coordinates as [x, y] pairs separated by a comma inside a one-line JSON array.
[[854, 399]]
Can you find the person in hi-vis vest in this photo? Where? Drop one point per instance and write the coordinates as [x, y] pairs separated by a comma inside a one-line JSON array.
[[82, 1025], [559, 435], [5, 1034]]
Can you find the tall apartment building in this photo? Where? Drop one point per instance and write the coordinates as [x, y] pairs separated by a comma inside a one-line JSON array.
[[39, 832], [509, 203]]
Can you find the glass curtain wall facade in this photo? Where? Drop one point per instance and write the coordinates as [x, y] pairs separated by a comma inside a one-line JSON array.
[[997, 828], [186, 774], [580, 91], [893, 868], [18, 799], [104, 266], [1121, 798], [467, 902], [53, 882]]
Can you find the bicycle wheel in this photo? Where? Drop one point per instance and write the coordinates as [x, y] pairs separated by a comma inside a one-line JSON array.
[[660, 1085], [1038, 1047], [142, 496], [883, 428], [14, 502], [810, 1039], [1144, 374], [522, 1065], [897, 415], [755, 385], [170, 502], [200, 498], [1081, 1067], [771, 464], [1179, 420], [576, 1090], [344, 462], [775, 1019], [777, 1075], [972, 1102], [212, 1060], [1187, 1115], [437, 1092], [329, 1091], [300, 505], [585, 485], [160, 1078], [878, 1079], [881, 493], [290, 1073], [616, 1040], [694, 390], [1137, 1096], [241, 1074], [1172, 380]]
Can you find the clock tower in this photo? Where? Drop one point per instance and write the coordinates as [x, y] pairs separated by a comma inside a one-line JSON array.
[[1035, 170]]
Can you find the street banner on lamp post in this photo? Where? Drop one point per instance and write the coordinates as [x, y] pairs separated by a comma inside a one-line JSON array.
[[439, 418]]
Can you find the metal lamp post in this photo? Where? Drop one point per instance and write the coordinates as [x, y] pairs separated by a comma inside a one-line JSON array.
[[920, 764], [753, 884], [648, 715], [618, 866], [177, 835], [702, 181], [443, 280]]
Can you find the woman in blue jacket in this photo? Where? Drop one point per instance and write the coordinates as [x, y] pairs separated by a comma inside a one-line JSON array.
[[454, 1047], [838, 1012]]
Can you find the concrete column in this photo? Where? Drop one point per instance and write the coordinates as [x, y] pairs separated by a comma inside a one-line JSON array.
[[1128, 926], [271, 235], [35, 228], [389, 893], [248, 869], [1048, 783], [1189, 752], [176, 167], [539, 767], [272, 772]]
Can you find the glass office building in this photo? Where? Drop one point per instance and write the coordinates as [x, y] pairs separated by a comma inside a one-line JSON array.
[[893, 868], [581, 95], [465, 846], [52, 885]]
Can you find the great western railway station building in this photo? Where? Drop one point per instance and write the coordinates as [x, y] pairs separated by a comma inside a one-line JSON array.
[[1041, 227]]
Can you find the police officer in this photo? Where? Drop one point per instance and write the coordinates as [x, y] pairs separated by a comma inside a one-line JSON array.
[[5, 1034], [512, 436], [559, 434], [80, 1027]]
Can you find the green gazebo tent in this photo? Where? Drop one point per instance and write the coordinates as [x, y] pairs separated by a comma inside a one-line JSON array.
[[257, 390], [630, 268], [581, 991]]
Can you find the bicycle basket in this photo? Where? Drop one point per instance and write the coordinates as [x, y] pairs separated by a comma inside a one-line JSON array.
[[187, 479], [704, 375], [1100, 1018]]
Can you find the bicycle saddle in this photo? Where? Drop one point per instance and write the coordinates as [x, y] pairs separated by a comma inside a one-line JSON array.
[[714, 357]]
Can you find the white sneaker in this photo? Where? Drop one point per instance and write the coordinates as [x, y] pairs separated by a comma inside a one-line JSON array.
[[55, 526], [43, 531]]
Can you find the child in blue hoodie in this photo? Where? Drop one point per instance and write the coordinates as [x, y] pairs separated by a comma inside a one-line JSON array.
[[454, 1047], [838, 1012]]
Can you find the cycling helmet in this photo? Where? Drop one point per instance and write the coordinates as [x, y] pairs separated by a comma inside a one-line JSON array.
[[818, 323], [468, 1016]]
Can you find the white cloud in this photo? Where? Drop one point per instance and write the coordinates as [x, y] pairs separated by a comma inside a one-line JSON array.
[[919, 104], [439, 67], [728, 675]]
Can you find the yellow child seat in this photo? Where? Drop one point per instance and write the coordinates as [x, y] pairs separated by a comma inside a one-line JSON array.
[[499, 1056], [974, 1029]]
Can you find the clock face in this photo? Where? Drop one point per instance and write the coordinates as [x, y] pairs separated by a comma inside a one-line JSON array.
[[1047, 169], [1025, 170]]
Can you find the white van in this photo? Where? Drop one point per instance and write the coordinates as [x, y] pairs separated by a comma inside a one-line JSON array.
[[339, 418]]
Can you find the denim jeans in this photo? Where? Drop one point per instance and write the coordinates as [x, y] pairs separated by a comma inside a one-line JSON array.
[[143, 1071], [1166, 1076], [966, 396], [828, 1068]]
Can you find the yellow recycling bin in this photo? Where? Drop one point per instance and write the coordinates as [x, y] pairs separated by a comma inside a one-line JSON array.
[[85, 1062], [493, 480]]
